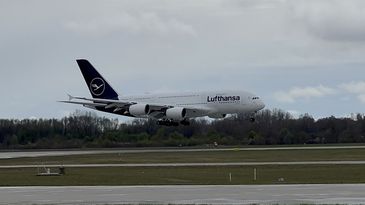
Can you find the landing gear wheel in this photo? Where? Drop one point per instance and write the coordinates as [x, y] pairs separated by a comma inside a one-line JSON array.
[[185, 123], [167, 123]]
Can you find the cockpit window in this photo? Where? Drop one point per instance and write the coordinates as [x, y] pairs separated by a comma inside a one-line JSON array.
[[255, 98]]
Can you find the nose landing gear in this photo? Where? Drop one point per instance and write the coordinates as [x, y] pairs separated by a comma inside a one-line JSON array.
[[252, 118]]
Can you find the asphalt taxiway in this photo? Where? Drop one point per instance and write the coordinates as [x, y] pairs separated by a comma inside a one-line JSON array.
[[190, 164], [42, 153], [215, 194]]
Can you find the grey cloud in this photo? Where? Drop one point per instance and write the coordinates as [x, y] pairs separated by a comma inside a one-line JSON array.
[[307, 93], [332, 20], [148, 22], [357, 88]]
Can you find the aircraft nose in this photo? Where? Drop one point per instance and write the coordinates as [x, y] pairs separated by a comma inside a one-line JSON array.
[[260, 105]]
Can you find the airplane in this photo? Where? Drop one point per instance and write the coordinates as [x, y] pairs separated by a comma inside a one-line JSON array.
[[168, 109]]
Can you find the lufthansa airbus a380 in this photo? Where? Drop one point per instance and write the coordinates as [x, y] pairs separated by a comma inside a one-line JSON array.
[[169, 109]]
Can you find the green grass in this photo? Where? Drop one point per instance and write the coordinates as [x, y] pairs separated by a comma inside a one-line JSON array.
[[267, 174], [233, 155], [188, 175]]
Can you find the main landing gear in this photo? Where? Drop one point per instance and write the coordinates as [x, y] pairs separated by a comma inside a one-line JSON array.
[[185, 122], [172, 123]]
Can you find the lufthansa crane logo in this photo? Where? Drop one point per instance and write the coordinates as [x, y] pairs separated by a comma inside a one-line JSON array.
[[97, 86]]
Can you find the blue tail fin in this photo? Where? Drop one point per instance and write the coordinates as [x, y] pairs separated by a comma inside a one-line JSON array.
[[98, 86]]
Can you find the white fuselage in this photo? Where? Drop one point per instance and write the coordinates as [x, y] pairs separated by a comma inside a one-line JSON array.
[[225, 102]]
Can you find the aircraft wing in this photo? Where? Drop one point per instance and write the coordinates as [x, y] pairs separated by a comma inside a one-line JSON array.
[[84, 103], [99, 100], [156, 110]]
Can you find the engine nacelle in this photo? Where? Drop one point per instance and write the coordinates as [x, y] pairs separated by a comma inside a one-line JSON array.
[[139, 110], [176, 113], [217, 115]]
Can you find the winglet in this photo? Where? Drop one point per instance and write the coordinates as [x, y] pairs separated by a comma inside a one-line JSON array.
[[70, 97]]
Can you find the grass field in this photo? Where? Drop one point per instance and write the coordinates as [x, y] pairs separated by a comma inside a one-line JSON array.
[[197, 157], [188, 175], [266, 174]]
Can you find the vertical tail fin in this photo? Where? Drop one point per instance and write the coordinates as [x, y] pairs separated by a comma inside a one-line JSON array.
[[98, 86]]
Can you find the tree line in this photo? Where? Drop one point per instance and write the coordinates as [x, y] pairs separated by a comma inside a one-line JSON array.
[[87, 130]]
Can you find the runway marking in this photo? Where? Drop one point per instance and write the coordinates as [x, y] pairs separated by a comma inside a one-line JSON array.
[[189, 164], [18, 154]]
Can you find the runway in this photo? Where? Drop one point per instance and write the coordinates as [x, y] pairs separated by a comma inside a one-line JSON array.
[[41, 153], [216, 194], [190, 164]]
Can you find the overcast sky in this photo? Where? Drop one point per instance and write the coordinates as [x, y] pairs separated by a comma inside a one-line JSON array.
[[299, 56]]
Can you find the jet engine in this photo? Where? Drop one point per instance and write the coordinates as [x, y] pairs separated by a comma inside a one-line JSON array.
[[139, 110], [176, 113], [217, 115]]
